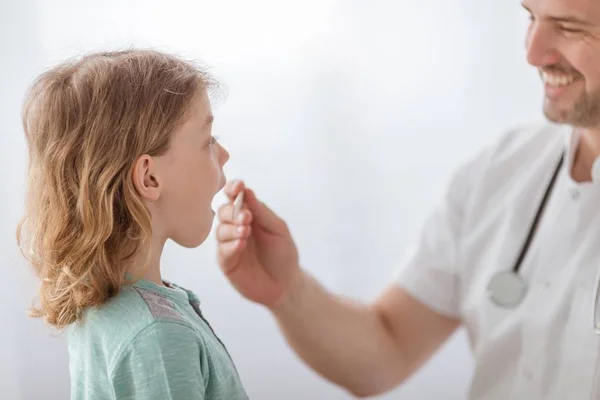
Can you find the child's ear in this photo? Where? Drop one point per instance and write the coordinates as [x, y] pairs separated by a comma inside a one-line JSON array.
[[145, 178]]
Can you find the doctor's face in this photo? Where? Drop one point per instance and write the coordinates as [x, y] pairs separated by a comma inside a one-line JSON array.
[[563, 42]]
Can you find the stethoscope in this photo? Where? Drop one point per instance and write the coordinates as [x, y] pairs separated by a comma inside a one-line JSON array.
[[507, 289]]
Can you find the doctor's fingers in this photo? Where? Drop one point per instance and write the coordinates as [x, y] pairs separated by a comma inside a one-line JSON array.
[[226, 212], [229, 253], [229, 232], [233, 187]]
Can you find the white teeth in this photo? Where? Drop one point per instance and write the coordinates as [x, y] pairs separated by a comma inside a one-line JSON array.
[[557, 79]]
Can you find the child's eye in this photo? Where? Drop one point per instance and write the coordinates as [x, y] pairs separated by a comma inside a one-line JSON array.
[[213, 140]]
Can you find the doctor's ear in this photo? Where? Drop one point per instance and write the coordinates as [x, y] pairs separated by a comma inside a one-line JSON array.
[[145, 178]]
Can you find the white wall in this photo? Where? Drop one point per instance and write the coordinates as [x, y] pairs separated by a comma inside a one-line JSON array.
[[31, 362], [346, 116]]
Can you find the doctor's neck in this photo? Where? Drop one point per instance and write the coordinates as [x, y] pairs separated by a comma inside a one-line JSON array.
[[588, 149]]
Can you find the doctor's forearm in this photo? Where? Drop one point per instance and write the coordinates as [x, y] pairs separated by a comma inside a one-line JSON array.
[[346, 342]]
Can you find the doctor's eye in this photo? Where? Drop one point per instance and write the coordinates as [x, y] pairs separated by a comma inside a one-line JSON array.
[[568, 29]]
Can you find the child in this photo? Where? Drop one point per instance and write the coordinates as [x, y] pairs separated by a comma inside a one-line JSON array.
[[121, 159]]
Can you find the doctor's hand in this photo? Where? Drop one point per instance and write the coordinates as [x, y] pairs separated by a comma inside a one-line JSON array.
[[256, 252]]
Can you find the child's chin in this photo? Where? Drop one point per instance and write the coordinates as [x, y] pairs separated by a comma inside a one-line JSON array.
[[192, 241]]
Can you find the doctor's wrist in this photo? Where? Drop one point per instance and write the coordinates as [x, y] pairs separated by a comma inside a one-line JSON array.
[[292, 297]]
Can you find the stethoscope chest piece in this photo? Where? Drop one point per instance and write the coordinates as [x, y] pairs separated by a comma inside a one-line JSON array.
[[507, 289]]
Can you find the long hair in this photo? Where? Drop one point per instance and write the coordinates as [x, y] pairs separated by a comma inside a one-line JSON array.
[[86, 122]]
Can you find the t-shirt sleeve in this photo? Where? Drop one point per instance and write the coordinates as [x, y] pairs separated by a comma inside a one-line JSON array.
[[431, 271], [165, 361]]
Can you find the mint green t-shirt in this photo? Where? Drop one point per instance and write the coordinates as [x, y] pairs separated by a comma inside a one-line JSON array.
[[150, 342]]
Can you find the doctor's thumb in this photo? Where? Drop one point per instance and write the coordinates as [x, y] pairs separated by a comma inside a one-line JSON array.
[[263, 216]]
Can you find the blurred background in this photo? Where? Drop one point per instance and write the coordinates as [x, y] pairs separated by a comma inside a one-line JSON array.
[[347, 117]]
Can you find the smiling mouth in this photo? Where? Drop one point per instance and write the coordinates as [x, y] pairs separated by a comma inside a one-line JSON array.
[[554, 79]]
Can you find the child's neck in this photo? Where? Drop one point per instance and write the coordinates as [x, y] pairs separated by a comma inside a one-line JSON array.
[[153, 275], [151, 271]]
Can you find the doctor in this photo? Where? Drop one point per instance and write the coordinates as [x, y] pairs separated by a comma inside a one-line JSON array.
[[512, 251]]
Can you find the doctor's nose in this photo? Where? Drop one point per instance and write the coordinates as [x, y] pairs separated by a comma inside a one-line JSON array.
[[540, 46]]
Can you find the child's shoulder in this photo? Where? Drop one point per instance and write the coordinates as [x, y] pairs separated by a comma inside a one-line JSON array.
[[132, 309], [117, 322]]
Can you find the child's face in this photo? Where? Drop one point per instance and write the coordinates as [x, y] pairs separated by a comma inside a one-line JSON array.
[[191, 173]]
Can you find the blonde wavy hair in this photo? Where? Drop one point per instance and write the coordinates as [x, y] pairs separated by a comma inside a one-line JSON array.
[[86, 122]]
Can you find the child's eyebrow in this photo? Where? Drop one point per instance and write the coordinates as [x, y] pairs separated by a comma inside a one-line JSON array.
[[209, 120]]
